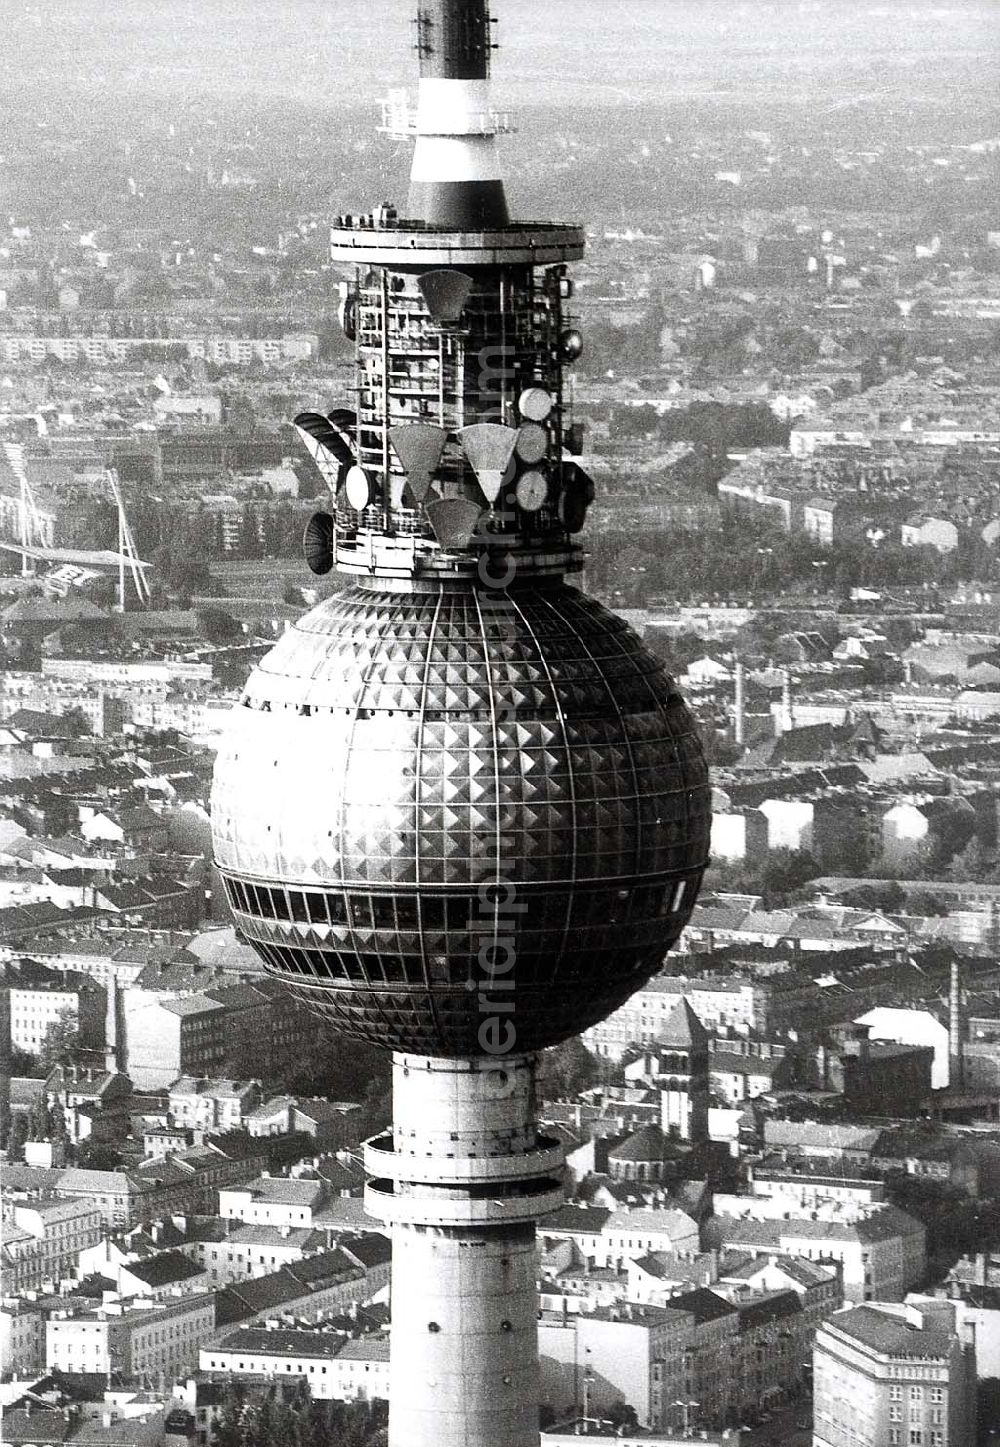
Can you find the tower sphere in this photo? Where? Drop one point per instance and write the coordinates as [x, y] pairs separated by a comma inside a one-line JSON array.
[[449, 812]]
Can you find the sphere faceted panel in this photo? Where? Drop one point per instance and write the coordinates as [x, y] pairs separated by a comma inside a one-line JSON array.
[[434, 800]]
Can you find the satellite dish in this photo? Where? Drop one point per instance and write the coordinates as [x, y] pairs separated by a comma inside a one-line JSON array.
[[532, 443], [345, 420], [419, 447], [489, 448], [445, 293], [532, 491], [575, 479], [318, 543], [535, 404], [572, 510], [326, 445], [573, 438], [347, 314], [454, 520], [571, 345], [358, 488]]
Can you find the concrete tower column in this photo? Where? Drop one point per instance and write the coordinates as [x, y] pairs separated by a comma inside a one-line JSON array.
[[461, 1182]]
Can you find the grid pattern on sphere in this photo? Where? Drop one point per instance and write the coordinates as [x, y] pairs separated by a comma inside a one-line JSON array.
[[399, 754]]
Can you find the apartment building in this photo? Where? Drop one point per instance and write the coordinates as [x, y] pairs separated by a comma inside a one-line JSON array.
[[130, 1337], [43, 1241], [335, 1369], [41, 998], [215, 1105], [881, 1251], [274, 1201], [22, 1336], [887, 1375]]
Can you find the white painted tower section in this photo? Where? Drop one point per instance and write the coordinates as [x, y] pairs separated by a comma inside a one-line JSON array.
[[456, 131], [461, 1182]]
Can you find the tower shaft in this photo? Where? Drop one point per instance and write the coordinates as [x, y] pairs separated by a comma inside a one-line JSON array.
[[460, 1183]]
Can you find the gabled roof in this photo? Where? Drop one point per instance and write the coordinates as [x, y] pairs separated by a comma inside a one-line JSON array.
[[703, 1304], [648, 1144], [191, 1005], [369, 1250], [166, 1268], [281, 1190], [773, 1306], [731, 1062], [582, 1220], [282, 1342], [670, 1221]]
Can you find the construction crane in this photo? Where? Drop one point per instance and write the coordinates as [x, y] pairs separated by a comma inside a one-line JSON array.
[[29, 519], [126, 549], [33, 544]]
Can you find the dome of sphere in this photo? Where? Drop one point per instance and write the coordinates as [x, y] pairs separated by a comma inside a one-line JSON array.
[[429, 802]]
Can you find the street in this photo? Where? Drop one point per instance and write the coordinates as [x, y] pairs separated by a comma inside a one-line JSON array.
[[782, 1430]]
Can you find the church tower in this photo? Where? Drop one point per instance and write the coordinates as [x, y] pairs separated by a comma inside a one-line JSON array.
[[682, 1049]]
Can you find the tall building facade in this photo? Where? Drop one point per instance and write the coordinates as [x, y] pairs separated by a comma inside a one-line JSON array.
[[887, 1375]]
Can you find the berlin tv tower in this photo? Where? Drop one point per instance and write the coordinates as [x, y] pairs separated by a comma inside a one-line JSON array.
[[460, 809]]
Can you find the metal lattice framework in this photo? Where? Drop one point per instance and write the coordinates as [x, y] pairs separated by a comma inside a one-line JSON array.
[[449, 749]]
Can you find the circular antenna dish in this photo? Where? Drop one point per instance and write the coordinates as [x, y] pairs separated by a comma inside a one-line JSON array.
[[347, 314], [572, 511], [571, 344], [532, 443], [532, 491], [578, 481], [535, 404], [317, 543], [358, 488]]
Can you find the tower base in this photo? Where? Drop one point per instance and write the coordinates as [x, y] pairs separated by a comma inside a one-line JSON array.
[[460, 1183]]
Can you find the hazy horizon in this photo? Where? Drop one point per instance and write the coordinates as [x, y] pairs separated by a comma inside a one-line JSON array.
[[566, 52]]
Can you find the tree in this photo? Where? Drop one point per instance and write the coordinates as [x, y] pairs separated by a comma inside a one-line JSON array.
[[886, 898], [76, 722], [229, 1425], [249, 544], [39, 1119], [337, 1068], [621, 1415], [217, 626], [97, 1156], [62, 1041], [178, 573], [104, 592], [777, 876], [18, 1136], [923, 902], [566, 1069]]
